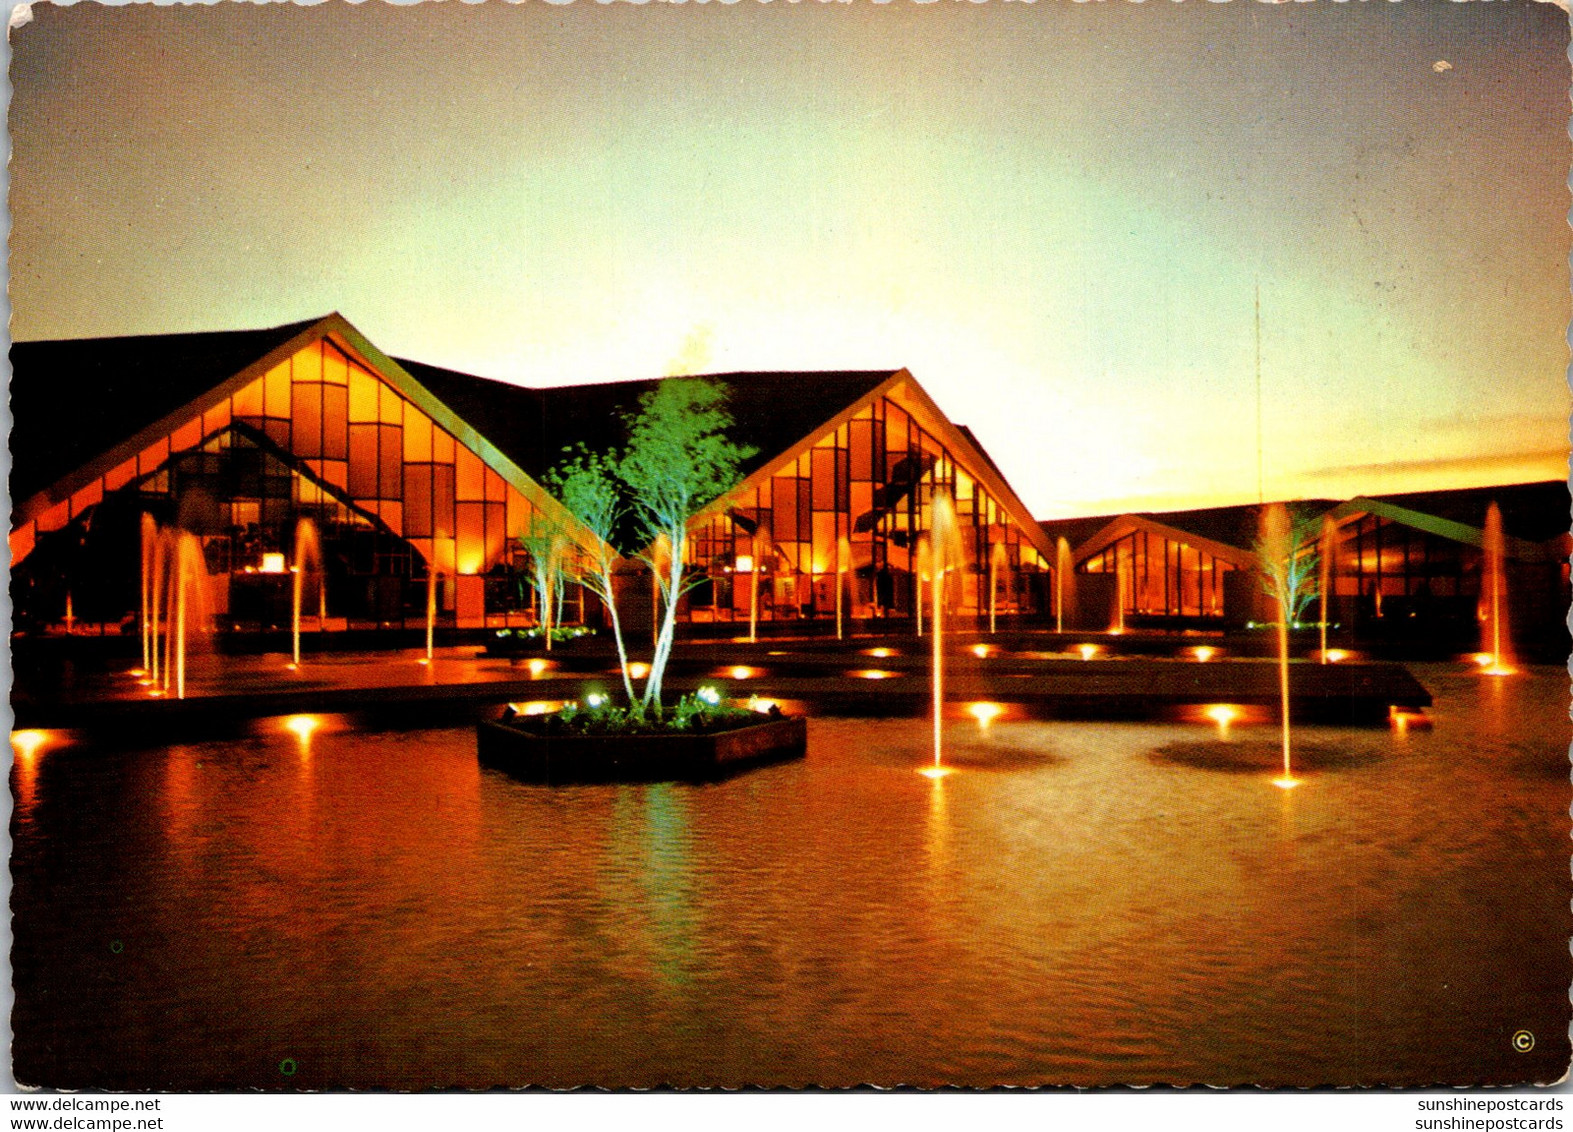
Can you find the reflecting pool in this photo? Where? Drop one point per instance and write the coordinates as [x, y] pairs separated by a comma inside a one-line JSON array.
[[1079, 903]]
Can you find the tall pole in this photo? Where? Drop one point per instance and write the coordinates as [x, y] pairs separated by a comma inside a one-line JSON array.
[[937, 585], [1261, 490], [753, 589]]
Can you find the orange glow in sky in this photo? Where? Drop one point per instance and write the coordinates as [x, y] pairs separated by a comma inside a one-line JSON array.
[[870, 186]]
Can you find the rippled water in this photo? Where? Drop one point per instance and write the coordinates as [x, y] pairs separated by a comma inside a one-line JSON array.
[[374, 910]]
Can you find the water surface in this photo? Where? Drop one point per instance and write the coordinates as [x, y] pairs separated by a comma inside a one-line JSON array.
[[374, 910]]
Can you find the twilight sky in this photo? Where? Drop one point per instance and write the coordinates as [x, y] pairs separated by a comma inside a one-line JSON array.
[[1056, 215]]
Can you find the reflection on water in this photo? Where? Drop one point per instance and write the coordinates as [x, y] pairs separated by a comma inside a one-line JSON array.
[[1068, 907]]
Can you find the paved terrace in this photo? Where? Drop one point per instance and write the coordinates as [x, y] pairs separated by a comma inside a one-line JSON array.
[[1033, 675]]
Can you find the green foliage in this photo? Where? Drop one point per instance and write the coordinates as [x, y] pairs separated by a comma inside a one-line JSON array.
[[1289, 562], [694, 713], [586, 484], [679, 457], [559, 633]]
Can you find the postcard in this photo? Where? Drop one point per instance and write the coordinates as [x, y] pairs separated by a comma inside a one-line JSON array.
[[682, 546]]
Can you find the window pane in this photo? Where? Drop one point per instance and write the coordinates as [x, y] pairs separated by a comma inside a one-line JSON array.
[[417, 500], [307, 364], [471, 475], [276, 391], [363, 395], [307, 421], [417, 438], [335, 405], [824, 491], [335, 368], [248, 402], [390, 405], [390, 460], [442, 501], [363, 461], [442, 446]]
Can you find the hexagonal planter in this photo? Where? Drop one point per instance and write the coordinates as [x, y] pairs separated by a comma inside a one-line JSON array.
[[561, 759]]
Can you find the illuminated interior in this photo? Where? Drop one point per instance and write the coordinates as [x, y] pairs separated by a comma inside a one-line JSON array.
[[319, 435], [868, 484], [1162, 577]]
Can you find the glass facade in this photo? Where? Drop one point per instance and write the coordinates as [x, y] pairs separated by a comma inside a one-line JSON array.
[[1162, 577], [852, 507], [1390, 568], [319, 436]]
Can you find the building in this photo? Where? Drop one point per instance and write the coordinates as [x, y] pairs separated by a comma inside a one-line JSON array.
[[236, 437], [1405, 571], [838, 495], [407, 471]]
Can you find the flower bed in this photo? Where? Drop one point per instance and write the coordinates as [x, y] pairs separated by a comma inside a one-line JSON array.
[[527, 642], [698, 740]]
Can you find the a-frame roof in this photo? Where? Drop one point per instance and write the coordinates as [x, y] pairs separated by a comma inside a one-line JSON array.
[[158, 382], [770, 411], [81, 405], [74, 399], [778, 414], [1533, 508], [1123, 525]]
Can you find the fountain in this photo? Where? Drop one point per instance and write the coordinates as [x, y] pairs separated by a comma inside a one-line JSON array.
[[920, 572], [308, 550], [1275, 552], [1329, 554], [1121, 572], [1493, 597], [186, 577], [843, 557], [945, 555], [1064, 583], [70, 618], [753, 588], [997, 558], [149, 556], [431, 611], [158, 668]]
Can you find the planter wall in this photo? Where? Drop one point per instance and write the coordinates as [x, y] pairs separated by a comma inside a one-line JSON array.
[[557, 759]]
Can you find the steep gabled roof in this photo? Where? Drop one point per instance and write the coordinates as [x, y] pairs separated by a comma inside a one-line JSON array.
[[1461, 516], [1123, 525], [73, 399], [1534, 512], [770, 410], [1233, 527], [133, 389]]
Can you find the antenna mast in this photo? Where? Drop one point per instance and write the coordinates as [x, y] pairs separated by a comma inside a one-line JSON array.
[[1261, 496]]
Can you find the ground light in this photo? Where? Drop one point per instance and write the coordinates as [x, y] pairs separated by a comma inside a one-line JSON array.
[[873, 673], [538, 707], [28, 743], [302, 726], [1223, 715], [1204, 653], [1088, 651], [743, 672], [1287, 783], [538, 665], [980, 651], [881, 653], [985, 713], [638, 670], [1403, 721], [1333, 656], [936, 771]]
